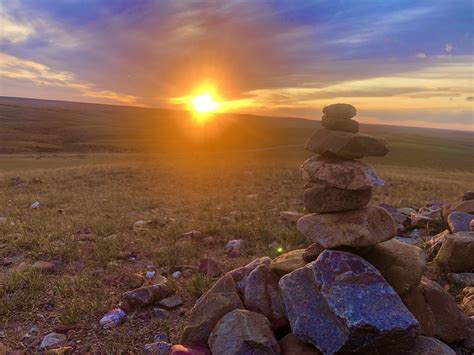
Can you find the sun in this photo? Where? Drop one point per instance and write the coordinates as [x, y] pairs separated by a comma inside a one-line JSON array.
[[205, 103]]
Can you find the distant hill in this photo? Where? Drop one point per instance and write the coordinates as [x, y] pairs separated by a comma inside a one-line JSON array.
[[44, 126], [31, 125]]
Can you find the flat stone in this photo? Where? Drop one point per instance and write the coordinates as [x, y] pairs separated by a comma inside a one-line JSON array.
[[53, 340], [459, 221], [243, 332], [312, 252], [358, 228], [332, 199], [171, 302], [340, 302], [463, 206], [430, 346], [113, 318], [341, 111], [160, 313], [402, 265], [338, 124], [146, 295], [346, 145], [457, 252], [436, 311], [262, 295], [288, 262], [339, 173], [219, 300], [290, 345]]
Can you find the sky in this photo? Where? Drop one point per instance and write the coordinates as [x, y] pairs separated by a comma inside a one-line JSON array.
[[400, 62]]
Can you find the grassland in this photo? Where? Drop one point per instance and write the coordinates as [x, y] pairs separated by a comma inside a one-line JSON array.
[[90, 200]]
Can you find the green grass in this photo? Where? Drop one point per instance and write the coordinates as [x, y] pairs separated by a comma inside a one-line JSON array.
[[89, 203]]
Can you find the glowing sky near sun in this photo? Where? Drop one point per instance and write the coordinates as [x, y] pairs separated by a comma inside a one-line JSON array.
[[399, 62]]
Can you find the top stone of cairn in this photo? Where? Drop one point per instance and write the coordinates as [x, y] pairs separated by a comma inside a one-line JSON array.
[[340, 111]]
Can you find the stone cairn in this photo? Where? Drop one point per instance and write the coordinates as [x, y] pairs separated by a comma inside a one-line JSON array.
[[354, 289]]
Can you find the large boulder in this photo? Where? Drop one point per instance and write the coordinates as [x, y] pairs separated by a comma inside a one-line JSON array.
[[401, 264], [337, 124], [290, 345], [332, 199], [340, 111], [243, 332], [457, 252], [288, 262], [340, 302], [221, 299], [262, 295], [346, 145], [430, 346], [340, 173], [358, 228], [437, 312], [459, 221]]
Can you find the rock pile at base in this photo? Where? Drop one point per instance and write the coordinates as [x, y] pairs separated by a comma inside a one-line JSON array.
[[354, 289]]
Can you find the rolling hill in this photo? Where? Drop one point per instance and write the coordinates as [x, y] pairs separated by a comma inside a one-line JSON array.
[[34, 126]]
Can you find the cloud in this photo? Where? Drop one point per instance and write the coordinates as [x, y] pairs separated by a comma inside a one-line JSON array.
[[263, 56], [13, 31], [41, 75]]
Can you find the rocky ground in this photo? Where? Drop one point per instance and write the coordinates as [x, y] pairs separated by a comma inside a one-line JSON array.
[[109, 259]]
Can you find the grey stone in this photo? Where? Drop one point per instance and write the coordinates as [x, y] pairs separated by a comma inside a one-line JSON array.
[[288, 262], [171, 302], [262, 295], [340, 302], [340, 110], [339, 173], [358, 228], [346, 145], [459, 222], [338, 124], [456, 253], [53, 340], [243, 332], [219, 300], [332, 199]]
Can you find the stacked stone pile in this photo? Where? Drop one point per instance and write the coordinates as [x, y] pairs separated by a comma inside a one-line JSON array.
[[355, 289]]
